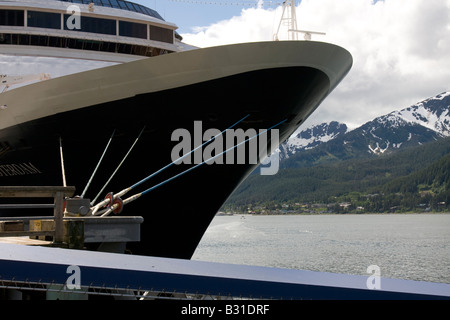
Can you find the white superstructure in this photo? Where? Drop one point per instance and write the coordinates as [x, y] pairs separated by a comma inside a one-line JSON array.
[[105, 30]]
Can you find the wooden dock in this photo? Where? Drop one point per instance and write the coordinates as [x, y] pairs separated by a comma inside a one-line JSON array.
[[109, 233], [17, 227]]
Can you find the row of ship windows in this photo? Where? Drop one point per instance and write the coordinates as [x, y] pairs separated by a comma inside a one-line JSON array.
[[88, 24], [81, 44], [120, 4]]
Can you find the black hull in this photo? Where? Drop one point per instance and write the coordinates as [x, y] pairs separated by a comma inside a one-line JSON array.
[[176, 214]]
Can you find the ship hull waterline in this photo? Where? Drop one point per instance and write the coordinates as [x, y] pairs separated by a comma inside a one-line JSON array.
[[176, 215]]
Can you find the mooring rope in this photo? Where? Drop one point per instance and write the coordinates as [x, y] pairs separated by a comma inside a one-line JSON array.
[[138, 195], [63, 171], [118, 167], [98, 165], [126, 190]]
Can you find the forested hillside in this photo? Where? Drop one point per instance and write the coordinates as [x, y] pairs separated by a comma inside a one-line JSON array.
[[414, 179]]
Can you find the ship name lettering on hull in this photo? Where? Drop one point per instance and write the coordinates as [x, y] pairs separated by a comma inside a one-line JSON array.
[[18, 169]]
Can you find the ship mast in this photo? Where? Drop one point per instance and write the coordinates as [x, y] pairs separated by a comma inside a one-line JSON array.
[[289, 19]]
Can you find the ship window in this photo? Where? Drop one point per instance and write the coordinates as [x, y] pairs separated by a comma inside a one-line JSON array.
[[81, 44], [161, 34], [11, 18], [122, 4], [129, 6], [94, 25], [39, 41], [44, 20], [147, 11], [114, 3], [131, 29], [54, 42], [137, 7], [101, 3], [124, 48]]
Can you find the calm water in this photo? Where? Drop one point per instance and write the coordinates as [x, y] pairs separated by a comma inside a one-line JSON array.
[[414, 247]]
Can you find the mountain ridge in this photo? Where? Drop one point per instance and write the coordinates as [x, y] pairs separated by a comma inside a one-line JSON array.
[[423, 122]]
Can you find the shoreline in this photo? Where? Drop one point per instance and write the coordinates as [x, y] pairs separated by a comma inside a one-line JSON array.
[[223, 214]]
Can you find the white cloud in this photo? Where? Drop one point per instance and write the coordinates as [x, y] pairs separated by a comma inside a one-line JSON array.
[[251, 25], [400, 50]]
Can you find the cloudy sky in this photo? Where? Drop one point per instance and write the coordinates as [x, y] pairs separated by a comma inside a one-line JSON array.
[[401, 48]]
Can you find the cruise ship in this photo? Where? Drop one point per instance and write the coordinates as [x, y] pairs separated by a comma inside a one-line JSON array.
[[111, 128]]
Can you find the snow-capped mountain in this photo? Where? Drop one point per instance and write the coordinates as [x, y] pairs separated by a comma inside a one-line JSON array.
[[425, 121], [311, 137], [433, 113]]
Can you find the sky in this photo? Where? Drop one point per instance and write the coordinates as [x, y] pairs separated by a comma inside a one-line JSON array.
[[400, 48]]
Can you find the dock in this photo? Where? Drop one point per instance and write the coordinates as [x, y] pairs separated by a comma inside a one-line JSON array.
[[87, 273], [86, 259], [67, 227]]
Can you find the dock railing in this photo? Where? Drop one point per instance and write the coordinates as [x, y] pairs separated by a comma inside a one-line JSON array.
[[13, 226]]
